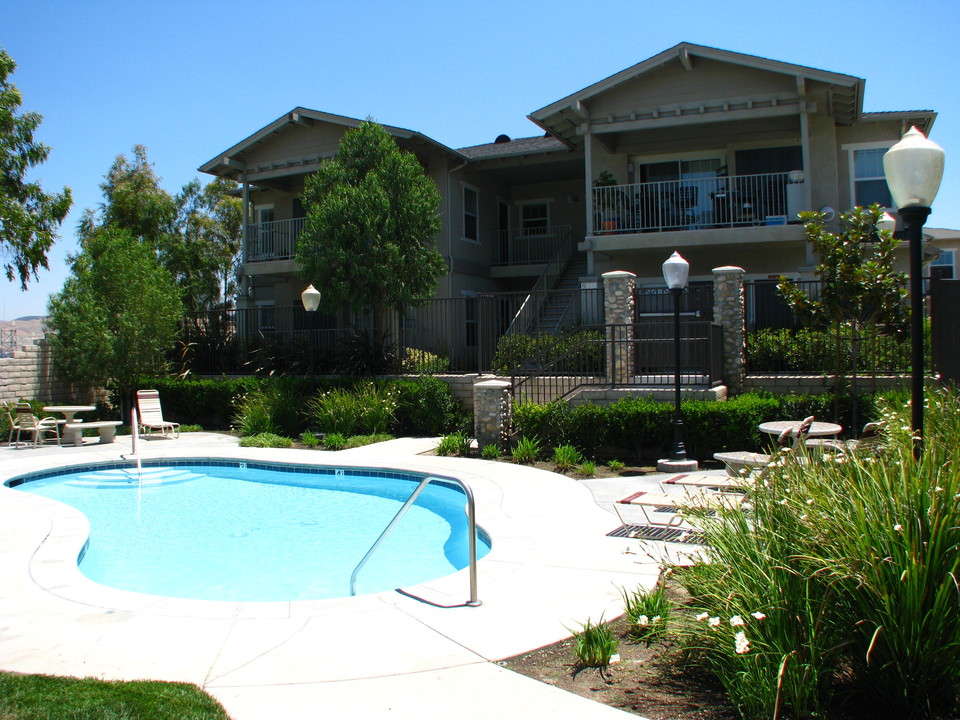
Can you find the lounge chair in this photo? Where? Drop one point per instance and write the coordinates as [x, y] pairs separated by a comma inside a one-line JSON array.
[[151, 414], [39, 428], [871, 441], [649, 502], [720, 483]]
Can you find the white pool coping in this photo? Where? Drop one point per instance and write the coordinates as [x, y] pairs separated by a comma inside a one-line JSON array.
[[551, 567]]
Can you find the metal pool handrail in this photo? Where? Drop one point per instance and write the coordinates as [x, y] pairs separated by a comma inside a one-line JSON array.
[[471, 530]]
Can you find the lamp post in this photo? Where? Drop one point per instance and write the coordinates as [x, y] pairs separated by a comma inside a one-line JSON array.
[[914, 168], [676, 270]]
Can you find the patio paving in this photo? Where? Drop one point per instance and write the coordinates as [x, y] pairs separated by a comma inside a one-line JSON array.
[[552, 566]]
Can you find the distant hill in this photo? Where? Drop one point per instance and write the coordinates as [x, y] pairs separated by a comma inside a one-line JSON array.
[[19, 332]]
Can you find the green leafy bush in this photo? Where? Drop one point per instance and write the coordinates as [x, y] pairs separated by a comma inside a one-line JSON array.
[[526, 451], [574, 352], [266, 440], [368, 408], [647, 613], [566, 457], [309, 439], [424, 361], [587, 469], [426, 407], [815, 351], [594, 645], [361, 440], [253, 416], [457, 443], [334, 441], [490, 452], [616, 465]]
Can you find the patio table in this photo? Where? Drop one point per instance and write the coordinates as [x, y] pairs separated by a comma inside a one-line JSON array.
[[70, 437], [817, 429]]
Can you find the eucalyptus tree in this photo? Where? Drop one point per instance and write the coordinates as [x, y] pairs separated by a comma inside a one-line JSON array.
[[29, 217]]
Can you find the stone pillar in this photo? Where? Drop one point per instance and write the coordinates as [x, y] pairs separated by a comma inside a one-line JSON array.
[[728, 309], [618, 309], [492, 411]]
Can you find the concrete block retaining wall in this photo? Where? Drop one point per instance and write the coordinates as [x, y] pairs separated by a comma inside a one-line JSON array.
[[28, 374]]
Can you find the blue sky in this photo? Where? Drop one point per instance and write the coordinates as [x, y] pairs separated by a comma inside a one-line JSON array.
[[190, 79]]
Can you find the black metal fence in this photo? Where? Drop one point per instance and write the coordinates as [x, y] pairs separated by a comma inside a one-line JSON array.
[[695, 301], [778, 343], [641, 354]]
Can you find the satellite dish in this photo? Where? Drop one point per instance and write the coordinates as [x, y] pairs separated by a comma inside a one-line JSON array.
[[828, 213]]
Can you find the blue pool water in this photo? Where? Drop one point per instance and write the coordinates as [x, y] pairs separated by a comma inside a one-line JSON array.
[[256, 532]]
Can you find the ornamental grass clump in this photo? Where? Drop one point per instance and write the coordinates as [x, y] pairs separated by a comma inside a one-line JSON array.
[[853, 562], [594, 645], [647, 613], [526, 451], [566, 457]]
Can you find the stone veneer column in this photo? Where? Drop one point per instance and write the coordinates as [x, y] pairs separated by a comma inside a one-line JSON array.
[[492, 412], [618, 310], [728, 309]]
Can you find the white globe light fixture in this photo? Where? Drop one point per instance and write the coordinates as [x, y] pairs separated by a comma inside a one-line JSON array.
[[676, 270], [914, 168], [310, 299]]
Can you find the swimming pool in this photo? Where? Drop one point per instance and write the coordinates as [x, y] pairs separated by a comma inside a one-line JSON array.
[[251, 531]]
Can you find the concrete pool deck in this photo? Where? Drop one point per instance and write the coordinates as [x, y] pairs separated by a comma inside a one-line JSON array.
[[401, 655]]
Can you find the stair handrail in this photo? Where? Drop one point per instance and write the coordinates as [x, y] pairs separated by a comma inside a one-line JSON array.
[[471, 531], [546, 280]]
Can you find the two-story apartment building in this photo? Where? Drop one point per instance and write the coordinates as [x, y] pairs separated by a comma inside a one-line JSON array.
[[709, 152]]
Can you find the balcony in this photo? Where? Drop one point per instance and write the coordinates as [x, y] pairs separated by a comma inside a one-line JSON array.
[[531, 246], [275, 240], [699, 203]]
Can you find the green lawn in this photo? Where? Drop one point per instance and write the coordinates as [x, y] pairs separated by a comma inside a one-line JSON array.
[[41, 697]]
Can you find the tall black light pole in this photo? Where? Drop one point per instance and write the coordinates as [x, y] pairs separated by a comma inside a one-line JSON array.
[[310, 298], [914, 168], [676, 270]]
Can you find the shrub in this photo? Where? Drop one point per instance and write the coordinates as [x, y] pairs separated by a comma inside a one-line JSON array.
[[587, 469], [424, 361], [361, 440], [526, 451], [616, 465], [253, 416], [425, 406], [575, 352], [647, 613], [266, 440], [566, 457], [334, 441], [594, 645], [309, 439], [457, 443], [369, 408], [490, 452]]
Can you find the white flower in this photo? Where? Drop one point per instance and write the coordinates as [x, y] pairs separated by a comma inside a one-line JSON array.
[[713, 622], [702, 616], [741, 643], [643, 621], [898, 527], [736, 621], [758, 615], [656, 619], [810, 501], [803, 517]]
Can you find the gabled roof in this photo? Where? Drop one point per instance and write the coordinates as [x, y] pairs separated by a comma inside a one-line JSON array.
[[846, 90], [231, 159], [519, 146]]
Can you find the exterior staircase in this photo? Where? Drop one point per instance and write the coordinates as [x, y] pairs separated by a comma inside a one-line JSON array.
[[561, 308]]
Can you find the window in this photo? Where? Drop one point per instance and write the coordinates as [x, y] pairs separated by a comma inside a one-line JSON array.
[[534, 218], [471, 204], [869, 182], [942, 267], [268, 315]]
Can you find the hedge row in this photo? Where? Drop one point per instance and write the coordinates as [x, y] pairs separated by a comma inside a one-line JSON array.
[[643, 428], [425, 405]]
